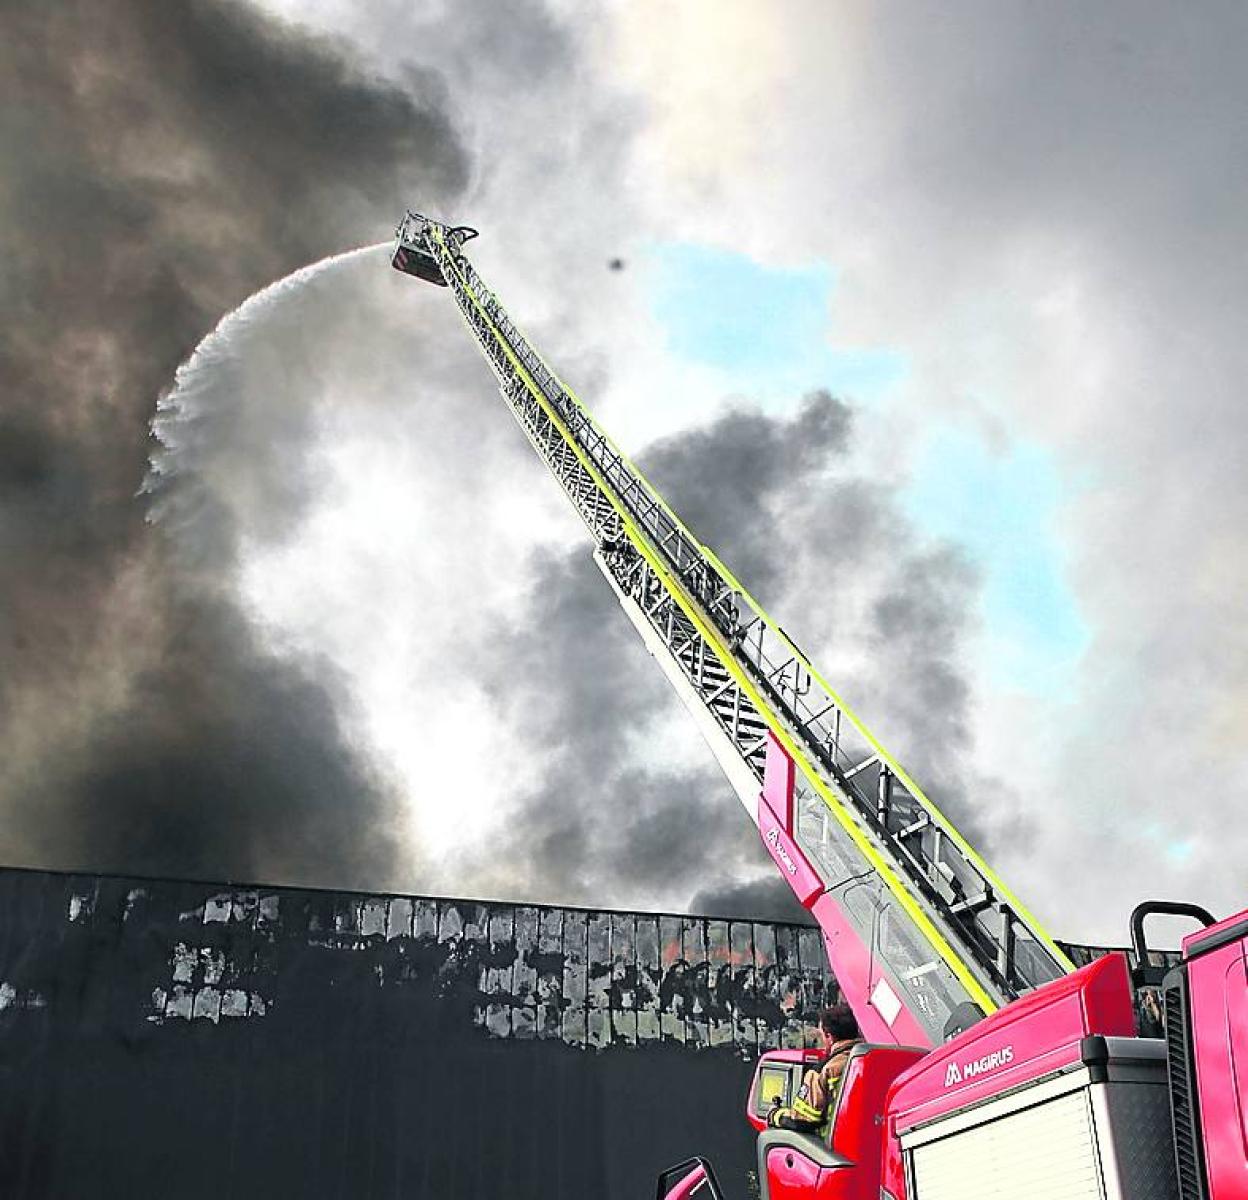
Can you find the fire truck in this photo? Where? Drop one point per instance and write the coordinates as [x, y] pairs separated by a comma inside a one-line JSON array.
[[991, 1067]]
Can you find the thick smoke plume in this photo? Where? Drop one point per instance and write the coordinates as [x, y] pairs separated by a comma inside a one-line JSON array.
[[162, 162]]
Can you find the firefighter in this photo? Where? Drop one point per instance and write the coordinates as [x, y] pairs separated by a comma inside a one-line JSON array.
[[809, 1110]]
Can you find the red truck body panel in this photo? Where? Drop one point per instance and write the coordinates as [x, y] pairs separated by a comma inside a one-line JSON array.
[[793, 1176], [1237, 925], [790, 861], [1036, 1035], [1217, 973]]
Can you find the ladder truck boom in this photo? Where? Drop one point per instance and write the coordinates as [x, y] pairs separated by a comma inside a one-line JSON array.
[[922, 935]]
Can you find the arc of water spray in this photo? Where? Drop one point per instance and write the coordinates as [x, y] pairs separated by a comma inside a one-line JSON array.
[[178, 406]]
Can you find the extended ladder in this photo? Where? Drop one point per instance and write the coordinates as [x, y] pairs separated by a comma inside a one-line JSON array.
[[920, 932]]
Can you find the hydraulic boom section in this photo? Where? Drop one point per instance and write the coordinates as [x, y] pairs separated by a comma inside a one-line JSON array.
[[922, 936]]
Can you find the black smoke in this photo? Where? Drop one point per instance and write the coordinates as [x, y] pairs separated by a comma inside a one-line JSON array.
[[760, 899], [834, 557], [162, 162], [733, 480]]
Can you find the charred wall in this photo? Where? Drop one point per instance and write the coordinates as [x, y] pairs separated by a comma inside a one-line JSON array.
[[184, 1039]]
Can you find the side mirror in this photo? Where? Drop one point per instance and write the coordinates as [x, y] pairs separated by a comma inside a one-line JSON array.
[[692, 1179]]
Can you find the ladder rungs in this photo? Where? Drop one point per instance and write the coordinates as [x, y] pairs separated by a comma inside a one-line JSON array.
[[917, 826], [972, 904], [862, 766]]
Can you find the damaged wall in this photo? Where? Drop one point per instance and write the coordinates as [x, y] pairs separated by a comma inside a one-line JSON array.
[[163, 1038]]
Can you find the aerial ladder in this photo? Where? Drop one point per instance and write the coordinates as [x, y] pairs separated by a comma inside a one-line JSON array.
[[932, 951]]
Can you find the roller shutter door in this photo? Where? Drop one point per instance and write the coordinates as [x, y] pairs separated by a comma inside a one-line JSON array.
[[1047, 1152]]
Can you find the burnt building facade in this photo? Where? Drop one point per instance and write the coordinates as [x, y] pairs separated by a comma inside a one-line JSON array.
[[161, 1038]]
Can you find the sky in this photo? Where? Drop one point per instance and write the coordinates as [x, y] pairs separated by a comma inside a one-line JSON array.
[[928, 322]]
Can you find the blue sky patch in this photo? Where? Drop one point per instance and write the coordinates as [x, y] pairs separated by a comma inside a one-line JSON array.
[[1001, 504], [766, 328]]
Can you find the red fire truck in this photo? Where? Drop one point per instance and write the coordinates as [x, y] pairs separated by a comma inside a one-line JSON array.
[[992, 1068], [1067, 1091]]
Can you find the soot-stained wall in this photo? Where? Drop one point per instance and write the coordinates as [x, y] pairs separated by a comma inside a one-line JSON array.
[[187, 1039]]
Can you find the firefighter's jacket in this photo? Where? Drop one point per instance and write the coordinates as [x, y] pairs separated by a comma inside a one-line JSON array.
[[818, 1092]]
